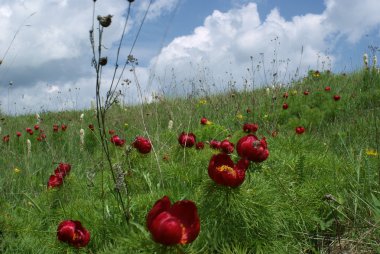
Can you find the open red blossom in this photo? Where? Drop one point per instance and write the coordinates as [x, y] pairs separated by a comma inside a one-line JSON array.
[[63, 169], [199, 146], [285, 106], [73, 233], [111, 132], [300, 129], [204, 120], [173, 224], [91, 127], [63, 127], [29, 130], [306, 92], [250, 127], [55, 127], [226, 146], [18, 134], [336, 97], [223, 171], [117, 141], [6, 138], [36, 127], [187, 139], [327, 88], [215, 144], [253, 149], [142, 145], [286, 95], [54, 181]]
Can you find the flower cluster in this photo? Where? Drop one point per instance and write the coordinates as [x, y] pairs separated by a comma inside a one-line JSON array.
[[60, 173], [117, 141]]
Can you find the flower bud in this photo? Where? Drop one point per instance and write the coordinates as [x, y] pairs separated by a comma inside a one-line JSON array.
[[105, 21]]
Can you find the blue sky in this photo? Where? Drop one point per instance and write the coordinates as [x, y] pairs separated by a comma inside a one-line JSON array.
[[48, 63]]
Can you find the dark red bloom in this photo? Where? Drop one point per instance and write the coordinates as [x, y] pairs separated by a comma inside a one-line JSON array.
[[286, 95], [91, 127], [173, 224], [187, 139], [300, 130], [306, 92], [36, 127], [327, 88], [63, 127], [18, 134], [253, 149], [29, 130], [285, 106], [111, 132], [73, 233], [199, 145], [226, 146], [336, 97], [204, 120], [6, 138], [215, 144], [250, 127], [223, 171], [41, 137], [62, 170], [55, 127], [54, 181], [142, 144], [117, 141]]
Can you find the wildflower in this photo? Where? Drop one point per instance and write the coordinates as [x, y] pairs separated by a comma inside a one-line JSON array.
[[173, 224], [18, 134], [374, 61], [63, 127], [239, 116], [55, 128], [81, 137], [371, 152], [142, 145], [253, 149], [200, 145], [29, 147], [117, 141], [6, 138], [170, 124], [36, 127], [111, 132], [300, 129], [63, 169], [16, 170], [365, 60], [306, 92], [81, 117], [223, 171], [202, 102], [215, 144], [187, 139], [285, 95], [250, 127], [125, 126], [29, 130], [327, 88], [285, 106], [336, 97], [73, 233], [227, 147], [267, 90], [54, 181], [91, 127], [316, 74]]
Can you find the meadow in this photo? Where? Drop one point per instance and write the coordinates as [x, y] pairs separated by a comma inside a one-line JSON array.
[[315, 190]]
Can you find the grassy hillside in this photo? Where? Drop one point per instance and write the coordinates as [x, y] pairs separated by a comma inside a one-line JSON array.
[[318, 192]]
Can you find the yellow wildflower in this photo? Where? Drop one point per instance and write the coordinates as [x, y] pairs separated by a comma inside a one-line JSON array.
[[202, 102], [16, 170], [294, 92], [371, 152], [239, 116]]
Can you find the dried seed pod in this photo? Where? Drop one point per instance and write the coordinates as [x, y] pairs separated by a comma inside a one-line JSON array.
[[105, 21], [103, 61]]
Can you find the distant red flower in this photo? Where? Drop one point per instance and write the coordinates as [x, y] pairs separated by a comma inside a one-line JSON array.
[[300, 129], [250, 127], [55, 128], [91, 127], [327, 88], [63, 169], [54, 181], [29, 130], [306, 92], [223, 171], [336, 97], [215, 144], [117, 141], [204, 120], [73, 233], [286, 95], [63, 127], [142, 145], [173, 224], [199, 145], [41, 137], [18, 134], [6, 138], [253, 149], [285, 106], [187, 139], [36, 127], [111, 132], [226, 146]]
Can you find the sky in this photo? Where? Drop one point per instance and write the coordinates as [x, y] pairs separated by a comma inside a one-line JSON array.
[[184, 46]]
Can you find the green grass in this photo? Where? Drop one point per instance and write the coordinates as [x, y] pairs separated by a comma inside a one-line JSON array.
[[317, 193]]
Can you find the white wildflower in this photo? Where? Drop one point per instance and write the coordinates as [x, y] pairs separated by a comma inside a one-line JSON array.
[[170, 124], [374, 61], [365, 59], [29, 147], [81, 136], [267, 91]]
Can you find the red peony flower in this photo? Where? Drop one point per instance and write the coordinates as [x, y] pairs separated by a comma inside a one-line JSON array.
[[6, 138], [142, 144], [55, 127], [36, 127], [54, 181], [250, 127], [300, 130], [63, 127], [226, 146], [223, 171], [204, 120], [173, 224], [327, 88], [286, 95], [117, 141], [215, 144], [18, 134], [187, 139], [306, 92], [63, 169], [336, 97], [285, 106], [253, 149], [73, 233], [199, 145], [29, 130]]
